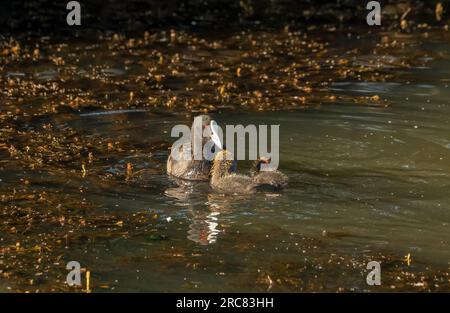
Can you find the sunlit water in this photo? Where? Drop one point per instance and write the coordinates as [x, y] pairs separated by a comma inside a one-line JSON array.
[[378, 176], [364, 181]]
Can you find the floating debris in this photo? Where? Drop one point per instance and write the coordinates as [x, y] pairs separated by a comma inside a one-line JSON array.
[[88, 282], [48, 86], [83, 170], [408, 259], [439, 10], [129, 170]]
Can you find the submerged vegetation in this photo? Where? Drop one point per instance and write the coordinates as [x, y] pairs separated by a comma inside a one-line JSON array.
[[53, 175]]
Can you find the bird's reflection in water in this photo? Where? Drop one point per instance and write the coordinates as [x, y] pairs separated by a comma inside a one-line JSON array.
[[204, 228], [182, 192], [206, 208]]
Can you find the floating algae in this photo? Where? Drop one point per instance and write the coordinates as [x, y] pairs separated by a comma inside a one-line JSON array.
[[84, 135]]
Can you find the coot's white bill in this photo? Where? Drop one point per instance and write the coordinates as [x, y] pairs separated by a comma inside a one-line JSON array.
[[215, 134]]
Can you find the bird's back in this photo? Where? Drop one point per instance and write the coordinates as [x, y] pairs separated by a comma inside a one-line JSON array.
[[270, 180]]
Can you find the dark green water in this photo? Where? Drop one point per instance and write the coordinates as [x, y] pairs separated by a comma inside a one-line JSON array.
[[368, 181]]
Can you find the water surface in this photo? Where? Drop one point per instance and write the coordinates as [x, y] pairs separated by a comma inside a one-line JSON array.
[[368, 163]]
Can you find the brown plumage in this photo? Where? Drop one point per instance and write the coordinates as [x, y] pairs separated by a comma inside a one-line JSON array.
[[271, 179], [224, 177], [191, 169]]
